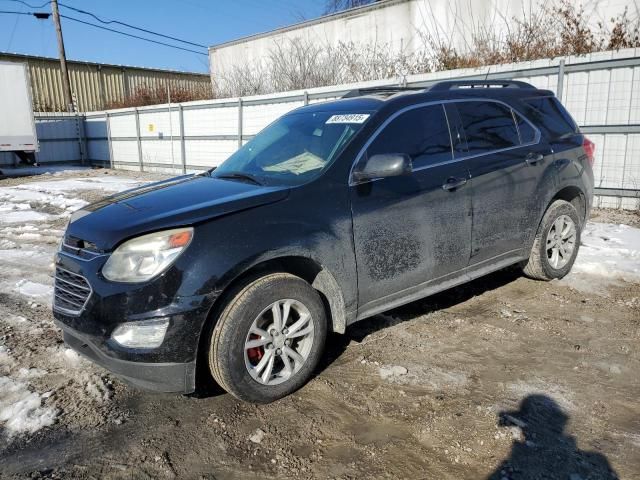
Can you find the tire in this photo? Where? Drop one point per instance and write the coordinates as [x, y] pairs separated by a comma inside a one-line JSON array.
[[542, 265], [242, 371]]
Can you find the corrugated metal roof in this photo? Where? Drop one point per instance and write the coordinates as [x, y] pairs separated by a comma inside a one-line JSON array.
[[96, 86], [24, 56]]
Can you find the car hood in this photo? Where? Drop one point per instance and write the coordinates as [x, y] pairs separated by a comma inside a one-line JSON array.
[[185, 200]]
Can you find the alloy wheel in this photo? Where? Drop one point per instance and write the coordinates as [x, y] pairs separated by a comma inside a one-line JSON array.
[[279, 342], [561, 241]]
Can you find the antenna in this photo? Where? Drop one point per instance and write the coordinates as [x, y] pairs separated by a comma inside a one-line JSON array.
[[486, 77]]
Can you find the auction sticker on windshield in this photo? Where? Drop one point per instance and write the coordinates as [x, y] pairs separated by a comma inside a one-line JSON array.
[[349, 118]]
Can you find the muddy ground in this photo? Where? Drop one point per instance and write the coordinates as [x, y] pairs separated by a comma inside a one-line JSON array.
[[502, 378]]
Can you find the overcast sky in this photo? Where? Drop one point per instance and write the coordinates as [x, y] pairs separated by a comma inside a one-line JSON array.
[[206, 22]]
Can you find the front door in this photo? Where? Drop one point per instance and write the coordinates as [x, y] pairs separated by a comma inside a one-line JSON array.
[[413, 229]]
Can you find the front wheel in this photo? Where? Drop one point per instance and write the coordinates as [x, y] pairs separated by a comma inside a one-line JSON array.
[[268, 339], [556, 244]]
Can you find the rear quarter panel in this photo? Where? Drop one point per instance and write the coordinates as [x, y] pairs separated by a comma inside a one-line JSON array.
[[567, 166]]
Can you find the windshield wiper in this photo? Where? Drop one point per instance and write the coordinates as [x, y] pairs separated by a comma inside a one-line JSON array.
[[239, 176]]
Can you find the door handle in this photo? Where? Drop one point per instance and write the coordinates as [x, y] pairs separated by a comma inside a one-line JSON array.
[[534, 158], [454, 182]]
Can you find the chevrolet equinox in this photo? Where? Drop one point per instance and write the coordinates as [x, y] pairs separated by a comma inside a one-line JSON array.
[[331, 214]]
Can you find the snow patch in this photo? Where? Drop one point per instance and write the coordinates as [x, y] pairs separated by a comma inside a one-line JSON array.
[[6, 362], [21, 410], [71, 358], [607, 251], [17, 202], [34, 289], [23, 216]]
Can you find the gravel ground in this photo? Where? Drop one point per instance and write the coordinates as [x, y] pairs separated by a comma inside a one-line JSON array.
[[503, 378]]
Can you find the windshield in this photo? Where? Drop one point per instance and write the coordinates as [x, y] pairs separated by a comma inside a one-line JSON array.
[[294, 149]]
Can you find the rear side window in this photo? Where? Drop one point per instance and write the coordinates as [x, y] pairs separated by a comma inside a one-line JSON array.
[[488, 126], [527, 133], [422, 133], [550, 117]]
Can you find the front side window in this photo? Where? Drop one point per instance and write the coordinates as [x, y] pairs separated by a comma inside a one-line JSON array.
[[488, 126], [294, 149], [422, 133]]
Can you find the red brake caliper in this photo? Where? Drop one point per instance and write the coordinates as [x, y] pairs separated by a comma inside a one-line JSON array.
[[255, 353]]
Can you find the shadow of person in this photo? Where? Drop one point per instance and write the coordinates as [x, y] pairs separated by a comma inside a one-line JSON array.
[[546, 451]]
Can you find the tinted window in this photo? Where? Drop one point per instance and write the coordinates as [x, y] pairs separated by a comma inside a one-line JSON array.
[[550, 117], [527, 133], [295, 148], [487, 126], [457, 132], [421, 133]]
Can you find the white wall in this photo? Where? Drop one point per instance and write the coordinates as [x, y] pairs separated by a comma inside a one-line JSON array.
[[400, 25]]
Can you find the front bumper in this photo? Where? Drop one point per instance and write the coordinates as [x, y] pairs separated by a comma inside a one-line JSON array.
[[173, 296], [159, 377]]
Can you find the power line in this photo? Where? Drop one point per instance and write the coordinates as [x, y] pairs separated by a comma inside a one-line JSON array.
[[27, 4], [16, 13], [30, 14], [13, 31], [107, 22], [131, 35]]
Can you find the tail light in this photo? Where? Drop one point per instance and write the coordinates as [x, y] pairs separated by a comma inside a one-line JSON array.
[[589, 149]]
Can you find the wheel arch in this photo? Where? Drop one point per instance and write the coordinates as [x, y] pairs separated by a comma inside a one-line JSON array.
[[319, 277], [575, 196], [314, 273]]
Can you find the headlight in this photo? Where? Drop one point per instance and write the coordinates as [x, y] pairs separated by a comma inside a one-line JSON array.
[[144, 257]]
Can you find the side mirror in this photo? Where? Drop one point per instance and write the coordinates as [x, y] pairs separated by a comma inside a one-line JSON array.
[[384, 165]]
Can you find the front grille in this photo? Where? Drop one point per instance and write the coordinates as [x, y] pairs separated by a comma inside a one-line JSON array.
[[79, 248], [71, 292]]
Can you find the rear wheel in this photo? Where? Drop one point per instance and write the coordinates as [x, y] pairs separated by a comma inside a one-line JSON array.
[[556, 244], [268, 339]]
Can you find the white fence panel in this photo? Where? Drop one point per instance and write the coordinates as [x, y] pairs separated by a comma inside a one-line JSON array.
[[125, 154], [159, 152], [123, 125], [159, 124], [256, 117], [211, 121], [601, 91], [203, 154]]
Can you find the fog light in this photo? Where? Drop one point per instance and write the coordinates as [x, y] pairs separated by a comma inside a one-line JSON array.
[[145, 334]]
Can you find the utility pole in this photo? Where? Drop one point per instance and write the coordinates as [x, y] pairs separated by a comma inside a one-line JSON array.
[[66, 84]]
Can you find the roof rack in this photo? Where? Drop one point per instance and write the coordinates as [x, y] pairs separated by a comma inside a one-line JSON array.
[[460, 84], [389, 90]]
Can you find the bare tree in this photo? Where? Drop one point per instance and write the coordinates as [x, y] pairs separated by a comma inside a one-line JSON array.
[[333, 6], [554, 29]]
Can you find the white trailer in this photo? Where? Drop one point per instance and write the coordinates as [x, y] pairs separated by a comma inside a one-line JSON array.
[[17, 125]]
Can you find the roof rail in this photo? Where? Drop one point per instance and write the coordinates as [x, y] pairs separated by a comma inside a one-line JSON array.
[[455, 84], [390, 90]]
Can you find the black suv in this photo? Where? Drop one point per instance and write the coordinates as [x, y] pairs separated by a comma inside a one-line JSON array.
[[331, 214]]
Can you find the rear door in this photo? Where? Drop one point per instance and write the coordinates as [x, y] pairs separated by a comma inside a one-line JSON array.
[[409, 230], [506, 161]]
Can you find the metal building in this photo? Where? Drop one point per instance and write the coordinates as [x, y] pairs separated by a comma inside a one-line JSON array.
[[97, 86]]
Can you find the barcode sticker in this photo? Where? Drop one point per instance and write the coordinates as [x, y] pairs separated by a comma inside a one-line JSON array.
[[349, 118]]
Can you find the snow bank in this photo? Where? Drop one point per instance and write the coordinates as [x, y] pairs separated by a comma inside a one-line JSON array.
[[610, 251]]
